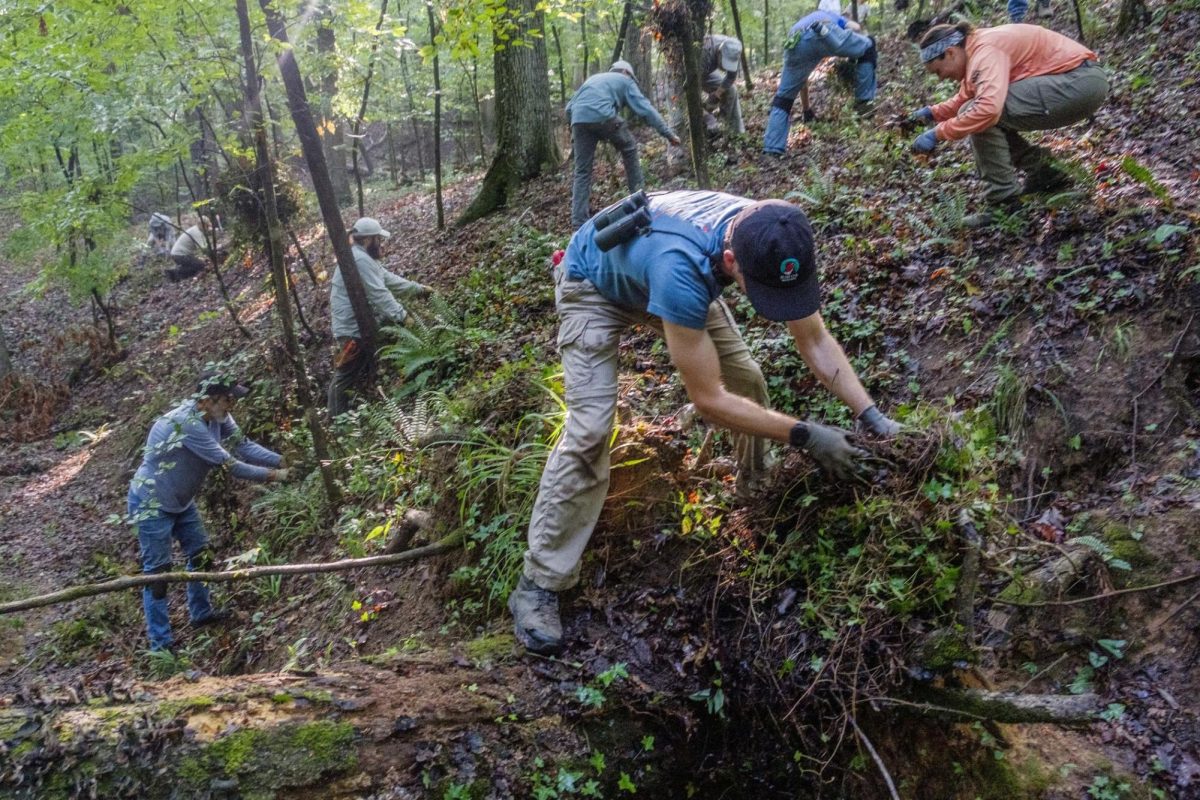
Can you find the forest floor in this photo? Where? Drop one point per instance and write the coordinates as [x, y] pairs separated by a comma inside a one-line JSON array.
[[1052, 361]]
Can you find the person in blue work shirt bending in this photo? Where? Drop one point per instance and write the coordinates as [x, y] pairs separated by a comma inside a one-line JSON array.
[[814, 38], [664, 264], [594, 111], [184, 445]]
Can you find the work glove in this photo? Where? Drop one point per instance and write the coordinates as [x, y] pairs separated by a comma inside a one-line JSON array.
[[423, 291], [922, 116], [829, 447], [673, 139], [810, 115], [925, 142], [877, 423], [280, 475]]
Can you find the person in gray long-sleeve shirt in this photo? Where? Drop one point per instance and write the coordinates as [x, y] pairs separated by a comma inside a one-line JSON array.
[[719, 61], [352, 363], [183, 446], [594, 114]]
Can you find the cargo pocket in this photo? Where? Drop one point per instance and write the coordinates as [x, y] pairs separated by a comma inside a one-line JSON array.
[[588, 348], [570, 331]]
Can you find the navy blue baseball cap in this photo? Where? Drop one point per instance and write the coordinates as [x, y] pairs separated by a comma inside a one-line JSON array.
[[773, 243]]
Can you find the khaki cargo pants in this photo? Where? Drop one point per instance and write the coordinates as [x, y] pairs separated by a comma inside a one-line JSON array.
[[575, 481], [1040, 103]]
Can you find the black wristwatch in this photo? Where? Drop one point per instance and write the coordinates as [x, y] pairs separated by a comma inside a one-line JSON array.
[[798, 436]]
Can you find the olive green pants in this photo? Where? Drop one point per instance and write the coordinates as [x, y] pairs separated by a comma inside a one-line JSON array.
[[1040, 103], [575, 481]]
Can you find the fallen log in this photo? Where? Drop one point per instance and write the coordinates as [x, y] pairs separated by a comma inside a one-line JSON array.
[[1052, 579], [1006, 707], [250, 573], [406, 726]]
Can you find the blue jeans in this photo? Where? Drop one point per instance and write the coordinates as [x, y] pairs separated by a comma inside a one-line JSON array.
[[800, 60], [1017, 10], [156, 528]]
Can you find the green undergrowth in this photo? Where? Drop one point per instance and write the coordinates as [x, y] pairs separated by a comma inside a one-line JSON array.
[[891, 544], [843, 586], [470, 407]]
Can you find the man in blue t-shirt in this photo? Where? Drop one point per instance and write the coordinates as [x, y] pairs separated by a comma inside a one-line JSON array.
[[812, 39], [670, 278], [183, 446]]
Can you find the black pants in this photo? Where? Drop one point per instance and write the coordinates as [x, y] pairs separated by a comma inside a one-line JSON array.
[[185, 267], [351, 366]]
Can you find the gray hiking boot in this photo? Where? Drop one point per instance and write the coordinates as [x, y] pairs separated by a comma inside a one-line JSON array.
[[1046, 179], [536, 622], [992, 213]]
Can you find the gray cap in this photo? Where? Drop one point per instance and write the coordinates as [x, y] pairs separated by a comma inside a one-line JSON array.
[[731, 54], [368, 226], [622, 66]]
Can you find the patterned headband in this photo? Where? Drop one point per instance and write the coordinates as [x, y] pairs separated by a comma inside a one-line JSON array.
[[934, 49]]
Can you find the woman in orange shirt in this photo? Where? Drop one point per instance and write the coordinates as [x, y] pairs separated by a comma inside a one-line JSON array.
[[1013, 78]]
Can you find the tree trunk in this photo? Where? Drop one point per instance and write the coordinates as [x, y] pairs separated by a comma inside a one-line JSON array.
[[310, 142], [638, 54], [437, 118], [266, 172], [312, 275], [201, 158], [1079, 22], [110, 323], [333, 135], [5, 356], [625, 15], [695, 107], [362, 108], [524, 138], [766, 55], [412, 115], [562, 75], [1133, 16], [583, 37], [737, 27], [474, 76], [391, 152]]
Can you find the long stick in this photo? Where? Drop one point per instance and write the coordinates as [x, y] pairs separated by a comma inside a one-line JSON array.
[[250, 573], [1114, 593], [887, 776]]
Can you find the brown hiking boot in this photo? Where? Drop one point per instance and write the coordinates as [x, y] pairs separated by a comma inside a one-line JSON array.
[[536, 621]]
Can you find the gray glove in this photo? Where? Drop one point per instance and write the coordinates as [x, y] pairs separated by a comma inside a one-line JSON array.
[[280, 475], [829, 447], [877, 423]]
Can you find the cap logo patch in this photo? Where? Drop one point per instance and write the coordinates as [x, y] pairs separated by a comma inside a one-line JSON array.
[[789, 270]]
